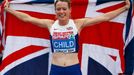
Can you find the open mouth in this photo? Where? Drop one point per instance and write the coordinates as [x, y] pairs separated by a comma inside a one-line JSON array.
[[62, 15]]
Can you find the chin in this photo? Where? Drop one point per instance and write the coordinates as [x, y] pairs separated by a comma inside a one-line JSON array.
[[63, 19]]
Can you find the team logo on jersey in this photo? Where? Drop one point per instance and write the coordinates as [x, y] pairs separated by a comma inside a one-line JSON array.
[[55, 29], [69, 28]]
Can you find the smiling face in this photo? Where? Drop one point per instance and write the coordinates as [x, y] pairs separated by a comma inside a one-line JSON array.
[[63, 11]]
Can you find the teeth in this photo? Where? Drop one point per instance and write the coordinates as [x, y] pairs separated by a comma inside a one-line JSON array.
[[62, 15]]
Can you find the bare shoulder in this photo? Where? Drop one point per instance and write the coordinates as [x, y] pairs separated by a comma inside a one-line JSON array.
[[77, 21], [49, 23], [45, 23], [80, 23], [81, 20]]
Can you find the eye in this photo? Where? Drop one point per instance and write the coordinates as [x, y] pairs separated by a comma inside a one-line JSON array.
[[58, 9], [64, 8]]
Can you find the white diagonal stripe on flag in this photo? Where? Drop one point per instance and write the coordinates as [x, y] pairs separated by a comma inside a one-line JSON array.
[[21, 42]]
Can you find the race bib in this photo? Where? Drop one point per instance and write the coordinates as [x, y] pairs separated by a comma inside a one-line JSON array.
[[64, 42]]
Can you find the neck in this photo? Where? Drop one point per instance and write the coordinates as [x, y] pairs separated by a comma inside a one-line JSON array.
[[63, 22]]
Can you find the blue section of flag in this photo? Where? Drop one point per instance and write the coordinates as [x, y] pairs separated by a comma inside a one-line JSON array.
[[95, 68], [104, 1], [129, 49], [35, 1], [36, 66], [128, 21], [42, 1], [129, 58]]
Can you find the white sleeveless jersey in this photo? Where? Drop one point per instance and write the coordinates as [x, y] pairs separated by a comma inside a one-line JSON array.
[[64, 38]]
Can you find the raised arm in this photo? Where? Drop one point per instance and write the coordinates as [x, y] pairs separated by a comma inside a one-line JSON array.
[[46, 23], [105, 17]]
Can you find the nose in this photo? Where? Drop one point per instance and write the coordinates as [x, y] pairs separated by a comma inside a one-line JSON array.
[[61, 10]]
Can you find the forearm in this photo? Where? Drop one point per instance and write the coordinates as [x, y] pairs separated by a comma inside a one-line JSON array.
[[115, 13]]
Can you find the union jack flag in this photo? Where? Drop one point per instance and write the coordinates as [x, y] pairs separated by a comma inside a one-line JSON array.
[[27, 48]]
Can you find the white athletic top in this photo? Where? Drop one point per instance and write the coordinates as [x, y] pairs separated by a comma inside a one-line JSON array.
[[64, 38]]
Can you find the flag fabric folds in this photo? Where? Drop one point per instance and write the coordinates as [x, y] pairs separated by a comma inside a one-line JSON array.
[[129, 41], [27, 47]]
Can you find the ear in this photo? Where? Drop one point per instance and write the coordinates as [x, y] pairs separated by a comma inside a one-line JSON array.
[[70, 10]]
